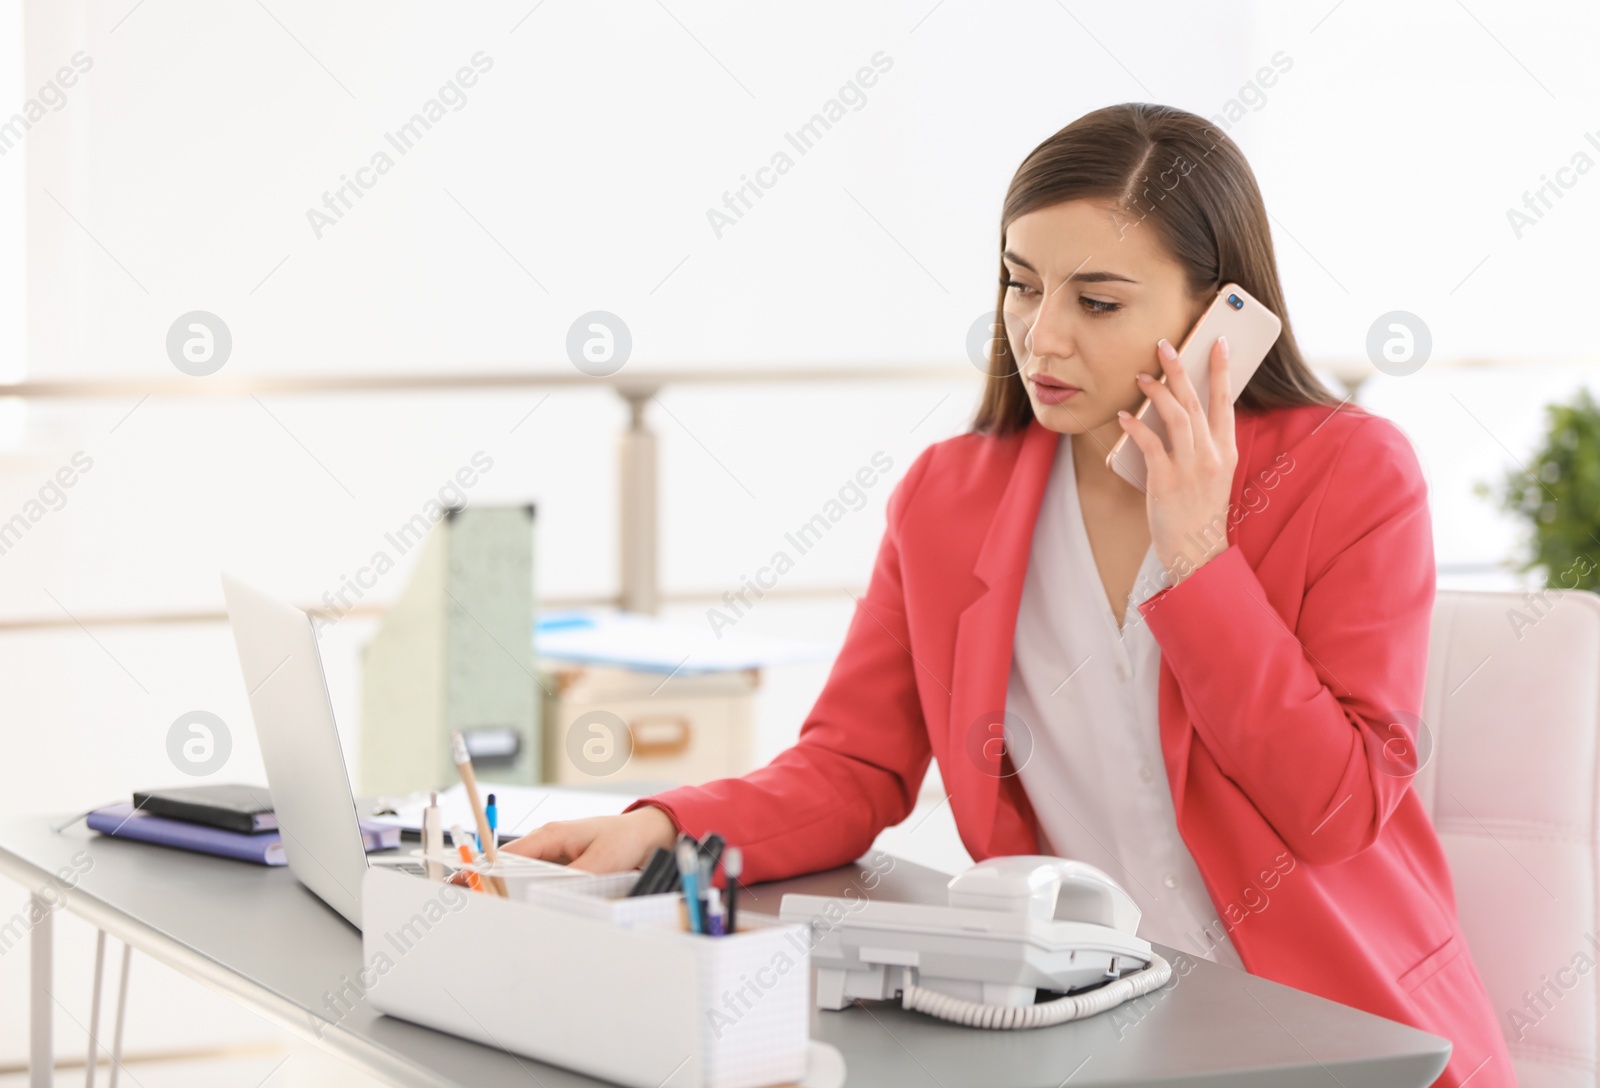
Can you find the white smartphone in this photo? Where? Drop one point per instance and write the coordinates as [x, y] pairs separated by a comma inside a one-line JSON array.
[[1251, 330]]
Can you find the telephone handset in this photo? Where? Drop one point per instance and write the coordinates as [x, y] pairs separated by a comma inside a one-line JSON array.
[[1014, 926]]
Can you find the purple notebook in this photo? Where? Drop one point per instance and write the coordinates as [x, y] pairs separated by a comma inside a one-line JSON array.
[[263, 848]]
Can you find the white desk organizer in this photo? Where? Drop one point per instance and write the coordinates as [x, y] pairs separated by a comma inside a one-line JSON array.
[[619, 993], [603, 896]]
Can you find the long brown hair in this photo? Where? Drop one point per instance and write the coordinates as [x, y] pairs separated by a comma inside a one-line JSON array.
[[1181, 176]]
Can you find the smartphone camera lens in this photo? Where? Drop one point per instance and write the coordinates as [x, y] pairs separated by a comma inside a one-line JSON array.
[[1236, 302]]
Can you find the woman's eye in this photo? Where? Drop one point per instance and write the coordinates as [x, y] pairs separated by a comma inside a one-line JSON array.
[[1021, 288], [1099, 306]]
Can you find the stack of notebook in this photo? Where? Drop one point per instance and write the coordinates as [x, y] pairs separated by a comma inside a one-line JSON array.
[[227, 820]]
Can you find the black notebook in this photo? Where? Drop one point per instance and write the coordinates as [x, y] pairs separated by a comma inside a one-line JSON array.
[[231, 807]]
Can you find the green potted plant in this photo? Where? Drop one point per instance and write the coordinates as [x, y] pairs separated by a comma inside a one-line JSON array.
[[1559, 495]]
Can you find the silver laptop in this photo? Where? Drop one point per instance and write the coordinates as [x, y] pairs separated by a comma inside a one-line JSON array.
[[300, 746]]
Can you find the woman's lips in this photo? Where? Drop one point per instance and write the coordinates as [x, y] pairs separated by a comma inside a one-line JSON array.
[[1050, 391]]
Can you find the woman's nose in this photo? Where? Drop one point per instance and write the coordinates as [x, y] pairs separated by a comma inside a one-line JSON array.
[[1049, 329]]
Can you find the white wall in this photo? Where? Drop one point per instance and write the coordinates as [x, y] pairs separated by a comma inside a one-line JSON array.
[[578, 176]]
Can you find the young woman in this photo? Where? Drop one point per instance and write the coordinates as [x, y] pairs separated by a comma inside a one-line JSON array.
[[1208, 690]]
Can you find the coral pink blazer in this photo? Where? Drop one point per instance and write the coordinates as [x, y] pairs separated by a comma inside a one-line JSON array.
[[1285, 663]]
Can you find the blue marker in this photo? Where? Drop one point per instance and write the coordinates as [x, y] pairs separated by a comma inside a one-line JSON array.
[[689, 872], [491, 814]]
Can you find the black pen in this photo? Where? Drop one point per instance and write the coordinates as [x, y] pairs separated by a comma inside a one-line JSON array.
[[732, 868], [710, 853], [655, 873], [711, 848]]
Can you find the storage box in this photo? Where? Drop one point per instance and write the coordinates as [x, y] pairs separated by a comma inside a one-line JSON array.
[[642, 1004], [443, 659], [684, 728]]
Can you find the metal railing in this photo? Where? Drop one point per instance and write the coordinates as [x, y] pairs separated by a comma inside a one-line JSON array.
[[638, 483]]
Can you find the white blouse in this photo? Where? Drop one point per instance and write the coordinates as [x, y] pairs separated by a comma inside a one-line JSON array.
[[1082, 719]]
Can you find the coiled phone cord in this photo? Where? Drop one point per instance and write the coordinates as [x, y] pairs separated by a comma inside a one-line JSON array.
[[1059, 1011]]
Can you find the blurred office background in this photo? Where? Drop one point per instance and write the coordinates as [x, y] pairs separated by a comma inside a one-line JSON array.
[[178, 166]]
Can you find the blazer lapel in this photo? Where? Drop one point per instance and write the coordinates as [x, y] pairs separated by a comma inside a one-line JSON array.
[[983, 776], [1173, 724]]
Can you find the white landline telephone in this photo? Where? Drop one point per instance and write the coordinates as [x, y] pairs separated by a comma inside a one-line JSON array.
[[1014, 926]]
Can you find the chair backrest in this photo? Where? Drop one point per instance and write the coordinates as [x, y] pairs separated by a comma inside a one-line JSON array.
[[1511, 778]]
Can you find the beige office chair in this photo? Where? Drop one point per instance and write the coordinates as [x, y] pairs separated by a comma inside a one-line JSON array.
[[1512, 783]]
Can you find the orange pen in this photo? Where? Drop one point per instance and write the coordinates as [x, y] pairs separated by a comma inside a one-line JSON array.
[[459, 837]]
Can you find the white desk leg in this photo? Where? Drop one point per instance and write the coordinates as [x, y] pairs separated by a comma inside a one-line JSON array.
[[122, 1007], [94, 1008], [41, 946]]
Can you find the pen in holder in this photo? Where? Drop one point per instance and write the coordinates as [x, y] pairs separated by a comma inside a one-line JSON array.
[[491, 850], [689, 874], [512, 870], [466, 862], [433, 837]]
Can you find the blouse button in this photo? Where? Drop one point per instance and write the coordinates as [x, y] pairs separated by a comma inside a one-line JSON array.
[[1145, 773], [1170, 881]]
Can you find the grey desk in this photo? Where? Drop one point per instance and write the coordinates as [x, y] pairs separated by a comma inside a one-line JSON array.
[[256, 936]]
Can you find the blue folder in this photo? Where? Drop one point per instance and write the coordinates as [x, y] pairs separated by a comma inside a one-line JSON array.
[[262, 848]]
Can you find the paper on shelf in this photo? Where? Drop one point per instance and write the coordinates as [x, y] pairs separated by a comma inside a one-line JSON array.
[[521, 808], [633, 641]]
